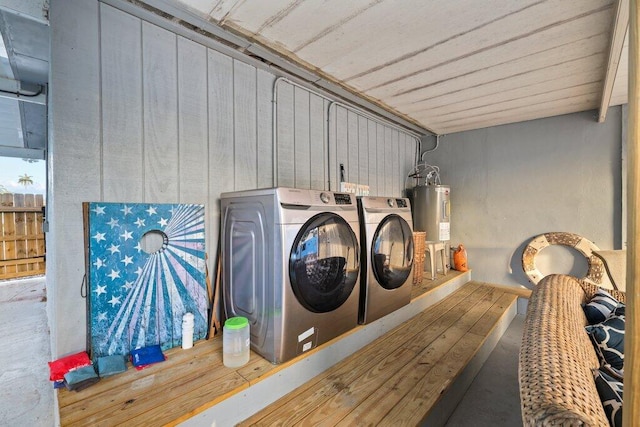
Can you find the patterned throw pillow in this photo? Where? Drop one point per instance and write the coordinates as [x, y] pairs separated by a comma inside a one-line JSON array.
[[610, 391], [620, 309], [618, 374], [608, 340], [600, 307]]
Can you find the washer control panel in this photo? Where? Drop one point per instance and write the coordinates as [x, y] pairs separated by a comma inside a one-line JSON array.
[[343, 199], [325, 198]]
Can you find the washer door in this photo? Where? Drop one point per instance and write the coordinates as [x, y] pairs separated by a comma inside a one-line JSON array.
[[324, 265], [392, 252]]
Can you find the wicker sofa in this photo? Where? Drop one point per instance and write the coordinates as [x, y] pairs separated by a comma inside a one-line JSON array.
[[556, 356]]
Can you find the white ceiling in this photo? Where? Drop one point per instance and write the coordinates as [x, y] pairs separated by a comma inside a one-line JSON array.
[[448, 66]]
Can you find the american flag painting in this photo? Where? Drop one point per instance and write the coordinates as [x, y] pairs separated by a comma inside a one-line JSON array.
[[139, 291]]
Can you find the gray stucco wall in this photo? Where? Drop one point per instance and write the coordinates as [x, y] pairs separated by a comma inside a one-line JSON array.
[[510, 183]]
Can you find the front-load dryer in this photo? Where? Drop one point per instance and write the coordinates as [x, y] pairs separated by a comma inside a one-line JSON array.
[[291, 265], [387, 256]]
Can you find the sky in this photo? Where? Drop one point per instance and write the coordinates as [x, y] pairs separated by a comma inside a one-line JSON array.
[[12, 168]]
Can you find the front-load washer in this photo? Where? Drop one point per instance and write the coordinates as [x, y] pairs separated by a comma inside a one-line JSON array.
[[387, 256], [291, 265]]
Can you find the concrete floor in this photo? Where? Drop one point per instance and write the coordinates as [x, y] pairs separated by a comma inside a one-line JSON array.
[[493, 399], [26, 395]]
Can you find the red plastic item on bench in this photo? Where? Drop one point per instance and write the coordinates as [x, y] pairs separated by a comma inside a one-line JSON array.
[[59, 367]]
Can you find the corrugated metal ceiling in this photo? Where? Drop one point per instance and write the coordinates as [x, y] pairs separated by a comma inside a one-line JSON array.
[[448, 66]]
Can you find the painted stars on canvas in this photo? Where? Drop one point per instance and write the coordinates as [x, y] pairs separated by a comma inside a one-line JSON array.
[[146, 270]]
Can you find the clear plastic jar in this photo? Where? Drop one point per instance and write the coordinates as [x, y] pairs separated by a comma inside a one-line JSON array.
[[235, 342]]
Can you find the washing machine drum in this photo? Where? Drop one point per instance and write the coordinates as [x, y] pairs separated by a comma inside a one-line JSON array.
[[324, 264], [392, 252]]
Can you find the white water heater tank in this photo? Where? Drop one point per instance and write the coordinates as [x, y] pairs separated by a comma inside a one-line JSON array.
[[432, 211]]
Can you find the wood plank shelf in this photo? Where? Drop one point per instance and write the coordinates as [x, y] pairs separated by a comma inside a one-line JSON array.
[[193, 386], [401, 376], [161, 393]]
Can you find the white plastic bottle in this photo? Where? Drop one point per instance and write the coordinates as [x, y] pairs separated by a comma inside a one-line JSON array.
[[235, 342], [187, 331]]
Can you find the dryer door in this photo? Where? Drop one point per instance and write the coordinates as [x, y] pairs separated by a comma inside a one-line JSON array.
[[324, 264], [392, 252]]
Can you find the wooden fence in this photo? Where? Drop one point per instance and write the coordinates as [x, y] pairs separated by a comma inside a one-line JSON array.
[[22, 248]]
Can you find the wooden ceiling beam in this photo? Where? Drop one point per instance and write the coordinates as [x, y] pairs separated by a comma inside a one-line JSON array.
[[618, 34], [631, 413]]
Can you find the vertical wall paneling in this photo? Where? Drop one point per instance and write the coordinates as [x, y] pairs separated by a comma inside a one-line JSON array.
[[73, 163], [244, 106], [406, 142], [317, 142], [412, 146], [264, 128], [353, 141], [301, 129], [121, 84], [332, 130], [372, 152], [220, 101], [221, 170], [193, 125], [402, 150], [160, 98], [372, 165], [400, 164], [363, 151], [413, 143], [285, 136], [406, 161], [395, 162], [342, 145], [380, 154], [170, 119], [388, 164]]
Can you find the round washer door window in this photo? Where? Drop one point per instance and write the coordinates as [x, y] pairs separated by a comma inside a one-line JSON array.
[[324, 265], [392, 252]]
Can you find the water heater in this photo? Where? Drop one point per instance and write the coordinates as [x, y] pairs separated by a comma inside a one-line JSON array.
[[432, 211]]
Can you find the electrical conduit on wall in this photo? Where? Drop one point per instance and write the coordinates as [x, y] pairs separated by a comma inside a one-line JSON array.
[[327, 137]]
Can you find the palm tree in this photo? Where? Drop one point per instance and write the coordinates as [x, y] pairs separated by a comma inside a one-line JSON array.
[[25, 180], [3, 189]]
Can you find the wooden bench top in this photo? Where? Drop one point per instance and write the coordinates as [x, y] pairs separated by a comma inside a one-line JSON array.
[[399, 377], [162, 393], [191, 381]]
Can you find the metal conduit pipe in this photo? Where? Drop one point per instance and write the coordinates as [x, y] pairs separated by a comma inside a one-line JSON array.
[[383, 122], [274, 106], [433, 149], [327, 138]]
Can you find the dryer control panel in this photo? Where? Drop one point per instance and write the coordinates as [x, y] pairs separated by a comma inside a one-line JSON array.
[[384, 204], [401, 203]]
